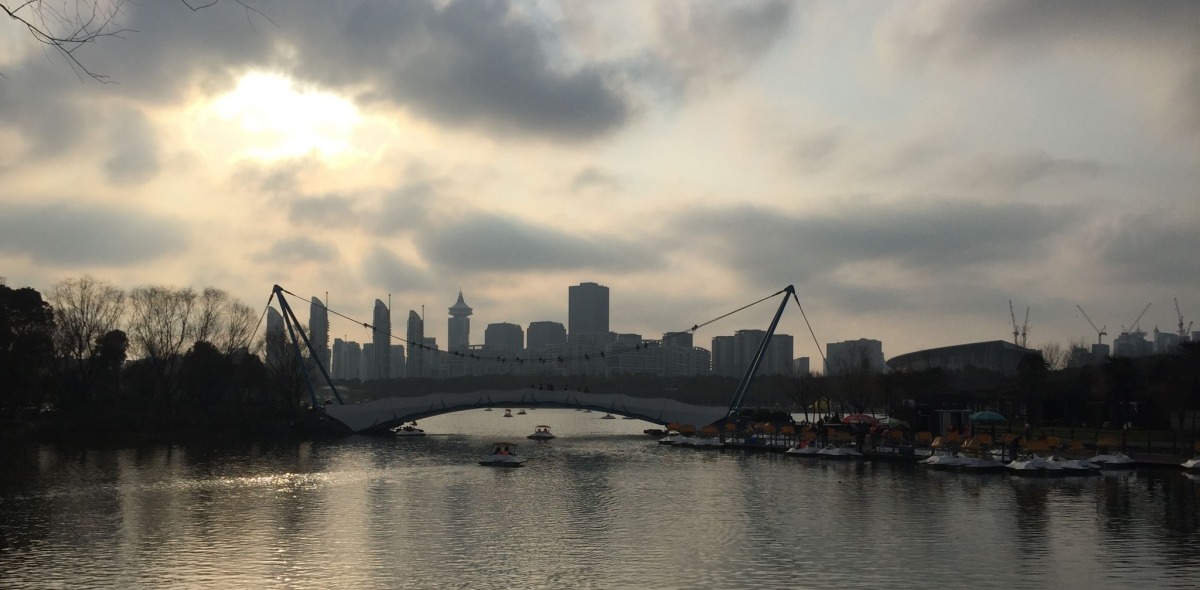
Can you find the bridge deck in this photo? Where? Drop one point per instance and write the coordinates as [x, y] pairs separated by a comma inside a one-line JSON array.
[[385, 413]]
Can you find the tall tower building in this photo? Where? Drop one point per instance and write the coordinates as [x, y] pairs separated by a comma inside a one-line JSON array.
[[587, 310], [276, 341], [415, 337], [458, 329], [318, 325], [338, 367], [381, 337]]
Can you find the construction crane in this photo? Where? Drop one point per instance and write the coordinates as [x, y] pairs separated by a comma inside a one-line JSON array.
[[1025, 330], [1183, 332], [1100, 333], [1134, 325], [1013, 315]]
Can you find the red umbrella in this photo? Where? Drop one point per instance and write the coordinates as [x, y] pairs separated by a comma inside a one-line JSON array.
[[860, 419]]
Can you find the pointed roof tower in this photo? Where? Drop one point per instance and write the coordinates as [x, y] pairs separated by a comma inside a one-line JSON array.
[[460, 309]]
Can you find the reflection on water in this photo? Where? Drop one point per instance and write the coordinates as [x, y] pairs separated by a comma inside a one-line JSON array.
[[601, 506]]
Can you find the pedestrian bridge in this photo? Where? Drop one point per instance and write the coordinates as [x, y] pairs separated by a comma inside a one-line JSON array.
[[385, 413], [382, 414]]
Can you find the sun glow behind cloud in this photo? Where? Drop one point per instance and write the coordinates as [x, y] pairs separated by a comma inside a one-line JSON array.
[[272, 119]]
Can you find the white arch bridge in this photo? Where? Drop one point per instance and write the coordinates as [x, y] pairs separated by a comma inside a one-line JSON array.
[[385, 413], [388, 412]]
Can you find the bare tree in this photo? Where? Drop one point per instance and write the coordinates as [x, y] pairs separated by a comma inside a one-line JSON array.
[[210, 306], [236, 329], [85, 310], [1055, 355], [161, 329], [68, 25]]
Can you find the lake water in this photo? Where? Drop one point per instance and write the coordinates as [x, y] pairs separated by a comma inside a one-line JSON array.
[[602, 506]]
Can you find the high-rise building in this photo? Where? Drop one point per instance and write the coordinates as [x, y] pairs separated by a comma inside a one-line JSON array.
[[338, 359], [318, 327], [800, 366], [276, 340], [366, 364], [458, 329], [504, 339], [724, 359], [415, 337], [732, 355], [397, 360], [545, 336], [381, 337], [587, 310], [353, 361], [854, 356]]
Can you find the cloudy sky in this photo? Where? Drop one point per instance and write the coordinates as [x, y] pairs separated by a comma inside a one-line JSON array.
[[910, 167]]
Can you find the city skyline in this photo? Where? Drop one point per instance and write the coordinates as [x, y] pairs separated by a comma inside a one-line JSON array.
[[912, 168]]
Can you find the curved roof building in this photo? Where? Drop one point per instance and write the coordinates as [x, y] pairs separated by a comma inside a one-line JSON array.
[[997, 355]]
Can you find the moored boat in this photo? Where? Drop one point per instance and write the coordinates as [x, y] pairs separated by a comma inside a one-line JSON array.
[[803, 449], [835, 452], [1116, 460], [1034, 465], [1079, 466]]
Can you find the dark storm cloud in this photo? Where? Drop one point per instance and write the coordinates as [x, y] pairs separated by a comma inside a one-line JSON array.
[[773, 248], [133, 149], [67, 235], [469, 64], [300, 249], [496, 244], [385, 271], [43, 113], [1153, 250]]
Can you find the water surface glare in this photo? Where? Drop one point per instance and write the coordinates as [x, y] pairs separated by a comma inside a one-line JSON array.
[[601, 506]]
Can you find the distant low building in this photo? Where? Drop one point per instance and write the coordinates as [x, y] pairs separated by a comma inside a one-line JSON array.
[[997, 355]]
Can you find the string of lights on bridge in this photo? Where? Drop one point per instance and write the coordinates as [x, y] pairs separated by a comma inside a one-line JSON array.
[[558, 358]]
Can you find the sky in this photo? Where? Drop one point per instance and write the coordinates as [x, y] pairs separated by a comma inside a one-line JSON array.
[[910, 167]]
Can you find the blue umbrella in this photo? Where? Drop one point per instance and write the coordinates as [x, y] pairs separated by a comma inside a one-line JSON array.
[[988, 418]]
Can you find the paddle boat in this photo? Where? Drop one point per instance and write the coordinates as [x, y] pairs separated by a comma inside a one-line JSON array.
[[1117, 460], [409, 429], [1034, 465], [521, 413], [832, 451], [608, 417], [1079, 466], [803, 448], [542, 432], [503, 455], [508, 414], [1193, 463]]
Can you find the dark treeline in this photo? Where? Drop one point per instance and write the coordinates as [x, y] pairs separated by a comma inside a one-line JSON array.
[[89, 360]]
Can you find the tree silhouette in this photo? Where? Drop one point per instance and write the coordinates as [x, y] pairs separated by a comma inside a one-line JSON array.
[[66, 26]]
